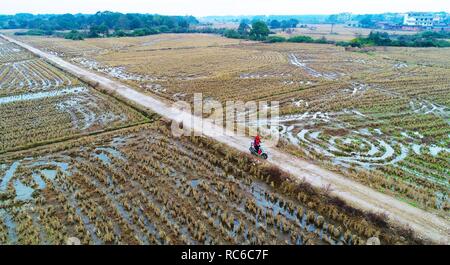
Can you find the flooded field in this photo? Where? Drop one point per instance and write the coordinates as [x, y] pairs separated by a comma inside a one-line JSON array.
[[141, 186], [78, 163], [40, 104], [380, 117]]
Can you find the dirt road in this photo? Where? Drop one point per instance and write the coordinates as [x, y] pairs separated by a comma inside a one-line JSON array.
[[426, 225]]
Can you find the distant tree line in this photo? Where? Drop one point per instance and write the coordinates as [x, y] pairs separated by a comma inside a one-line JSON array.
[[304, 19], [113, 24], [423, 39], [283, 24], [298, 39], [260, 31], [281, 21], [95, 32], [367, 20], [98, 25]]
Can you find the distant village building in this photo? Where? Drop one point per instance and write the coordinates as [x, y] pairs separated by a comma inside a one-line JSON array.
[[412, 21], [418, 19], [422, 20]]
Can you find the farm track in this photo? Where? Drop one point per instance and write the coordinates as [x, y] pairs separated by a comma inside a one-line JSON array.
[[425, 224]]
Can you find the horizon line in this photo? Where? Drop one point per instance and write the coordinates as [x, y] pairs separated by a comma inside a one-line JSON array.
[[228, 15]]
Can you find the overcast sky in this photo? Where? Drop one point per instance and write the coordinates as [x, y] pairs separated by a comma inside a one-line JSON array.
[[221, 7]]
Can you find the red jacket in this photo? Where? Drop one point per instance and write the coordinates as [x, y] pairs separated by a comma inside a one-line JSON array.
[[257, 141]]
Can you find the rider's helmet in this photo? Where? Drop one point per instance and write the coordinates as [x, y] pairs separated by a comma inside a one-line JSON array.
[[257, 138]]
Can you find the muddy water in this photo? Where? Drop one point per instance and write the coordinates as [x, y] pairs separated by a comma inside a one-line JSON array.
[[104, 153], [8, 176], [23, 192], [83, 109], [41, 95], [295, 61], [259, 192], [10, 225]]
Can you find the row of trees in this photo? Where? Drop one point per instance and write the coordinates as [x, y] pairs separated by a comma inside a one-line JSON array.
[[258, 30], [100, 31], [283, 24], [298, 39], [101, 22], [423, 39]]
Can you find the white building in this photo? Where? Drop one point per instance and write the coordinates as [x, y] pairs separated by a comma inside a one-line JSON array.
[[421, 19]]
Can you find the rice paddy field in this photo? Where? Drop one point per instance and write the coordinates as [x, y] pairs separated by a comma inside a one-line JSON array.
[[337, 32], [40, 104], [380, 117], [75, 162], [142, 186]]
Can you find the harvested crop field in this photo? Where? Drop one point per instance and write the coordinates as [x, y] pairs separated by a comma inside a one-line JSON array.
[[12, 53], [75, 162], [30, 75], [40, 104], [380, 117], [338, 32], [142, 186]]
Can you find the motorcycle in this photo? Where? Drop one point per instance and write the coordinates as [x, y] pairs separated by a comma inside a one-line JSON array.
[[261, 154]]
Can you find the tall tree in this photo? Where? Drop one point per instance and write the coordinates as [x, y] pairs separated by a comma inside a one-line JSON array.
[[293, 22], [367, 21], [244, 28], [275, 24], [259, 31]]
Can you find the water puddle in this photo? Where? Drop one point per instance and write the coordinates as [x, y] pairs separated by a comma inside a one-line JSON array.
[[10, 225], [194, 183], [102, 154], [40, 95], [8, 176], [301, 64], [435, 150], [23, 192]]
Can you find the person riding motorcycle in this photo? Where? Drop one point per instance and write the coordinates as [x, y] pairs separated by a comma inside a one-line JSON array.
[[256, 149], [257, 144]]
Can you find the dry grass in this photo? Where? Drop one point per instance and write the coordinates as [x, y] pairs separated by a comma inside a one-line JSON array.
[[40, 104], [147, 43], [339, 33], [389, 93], [423, 56], [142, 186]]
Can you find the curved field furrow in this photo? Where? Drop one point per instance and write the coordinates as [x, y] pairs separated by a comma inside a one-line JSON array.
[[136, 187], [32, 75]]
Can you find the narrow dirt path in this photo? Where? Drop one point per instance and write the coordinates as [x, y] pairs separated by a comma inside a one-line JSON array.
[[426, 225]]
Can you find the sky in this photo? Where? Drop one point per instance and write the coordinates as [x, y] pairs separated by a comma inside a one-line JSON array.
[[201, 8]]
